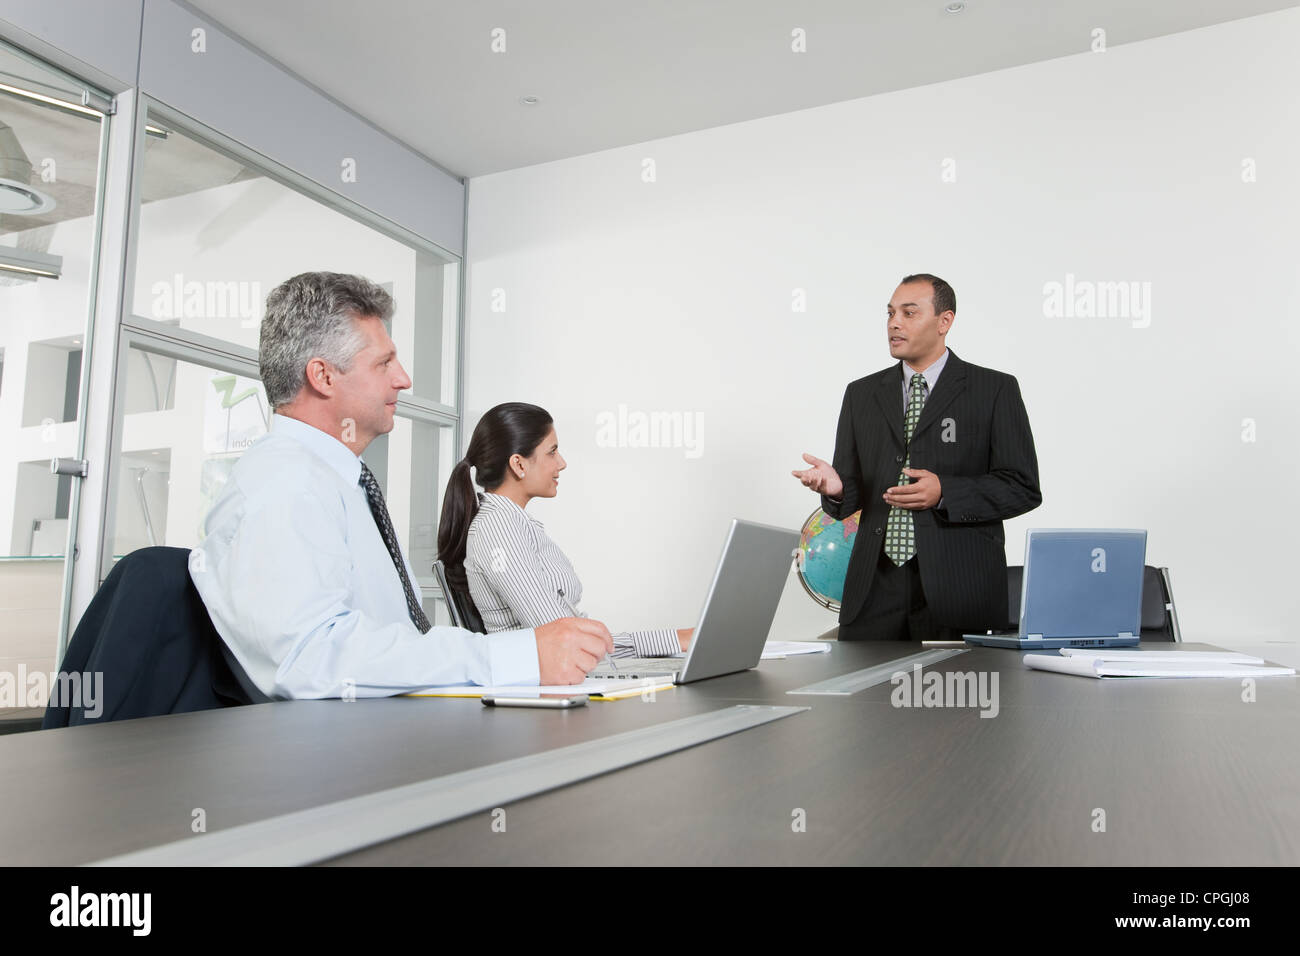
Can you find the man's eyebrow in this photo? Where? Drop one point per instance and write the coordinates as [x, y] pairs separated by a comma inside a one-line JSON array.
[[903, 306], [386, 356]]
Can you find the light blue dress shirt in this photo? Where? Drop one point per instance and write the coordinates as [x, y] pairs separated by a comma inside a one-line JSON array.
[[299, 584]]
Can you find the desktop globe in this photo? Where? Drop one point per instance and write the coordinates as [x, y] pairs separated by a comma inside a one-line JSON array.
[[823, 556]]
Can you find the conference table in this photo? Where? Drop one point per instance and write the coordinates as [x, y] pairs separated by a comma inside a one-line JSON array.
[[1064, 770]]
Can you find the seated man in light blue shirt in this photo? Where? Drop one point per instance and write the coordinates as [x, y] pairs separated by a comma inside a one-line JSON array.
[[300, 568]]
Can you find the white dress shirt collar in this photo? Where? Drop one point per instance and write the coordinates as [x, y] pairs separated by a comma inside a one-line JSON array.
[[324, 446]]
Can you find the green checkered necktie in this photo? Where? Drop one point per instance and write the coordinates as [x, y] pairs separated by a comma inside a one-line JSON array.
[[900, 534]]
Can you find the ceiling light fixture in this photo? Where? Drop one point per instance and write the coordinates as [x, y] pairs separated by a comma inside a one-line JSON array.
[[957, 7], [17, 196], [20, 199], [51, 101], [529, 100], [30, 264]]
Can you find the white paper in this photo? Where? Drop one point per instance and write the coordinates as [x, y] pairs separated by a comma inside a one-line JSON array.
[[775, 650], [1180, 657], [1094, 667], [1082, 666]]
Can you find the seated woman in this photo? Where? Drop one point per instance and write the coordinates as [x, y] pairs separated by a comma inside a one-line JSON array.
[[517, 576]]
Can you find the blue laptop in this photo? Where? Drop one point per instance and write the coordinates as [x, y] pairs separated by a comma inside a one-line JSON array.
[[1081, 588]]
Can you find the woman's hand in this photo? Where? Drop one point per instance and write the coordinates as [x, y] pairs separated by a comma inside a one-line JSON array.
[[684, 637]]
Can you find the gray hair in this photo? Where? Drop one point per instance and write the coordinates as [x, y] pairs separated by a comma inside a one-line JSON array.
[[314, 315]]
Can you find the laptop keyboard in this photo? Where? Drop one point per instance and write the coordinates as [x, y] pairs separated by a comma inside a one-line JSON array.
[[635, 667]]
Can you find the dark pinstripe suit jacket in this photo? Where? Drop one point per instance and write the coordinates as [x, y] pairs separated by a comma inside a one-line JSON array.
[[974, 434]]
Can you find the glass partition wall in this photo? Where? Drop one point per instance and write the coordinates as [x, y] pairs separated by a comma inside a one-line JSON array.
[[209, 230], [217, 231], [52, 151]]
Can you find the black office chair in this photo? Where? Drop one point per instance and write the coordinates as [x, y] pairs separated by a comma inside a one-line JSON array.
[[1159, 616], [459, 604], [148, 634]]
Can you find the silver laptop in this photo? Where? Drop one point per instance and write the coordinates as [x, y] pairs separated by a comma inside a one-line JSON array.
[[737, 614], [1081, 588]]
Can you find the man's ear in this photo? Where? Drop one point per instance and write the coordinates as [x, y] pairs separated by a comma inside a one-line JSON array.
[[320, 376], [946, 320]]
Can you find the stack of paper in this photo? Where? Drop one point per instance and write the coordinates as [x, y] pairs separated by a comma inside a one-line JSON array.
[[1121, 663]]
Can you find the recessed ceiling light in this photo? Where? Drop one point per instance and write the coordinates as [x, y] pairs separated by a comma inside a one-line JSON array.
[[20, 199], [17, 197], [529, 100], [76, 341], [957, 7]]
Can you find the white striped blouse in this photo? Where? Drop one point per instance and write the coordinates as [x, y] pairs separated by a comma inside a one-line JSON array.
[[518, 577]]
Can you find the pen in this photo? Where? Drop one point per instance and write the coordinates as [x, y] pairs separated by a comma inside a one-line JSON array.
[[573, 611]]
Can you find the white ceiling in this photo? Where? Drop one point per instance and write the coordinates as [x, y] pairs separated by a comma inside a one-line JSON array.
[[616, 72]]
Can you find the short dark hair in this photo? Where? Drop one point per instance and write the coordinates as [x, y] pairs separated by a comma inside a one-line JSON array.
[[944, 298]]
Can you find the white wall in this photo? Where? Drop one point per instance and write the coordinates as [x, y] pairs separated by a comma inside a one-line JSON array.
[[676, 295]]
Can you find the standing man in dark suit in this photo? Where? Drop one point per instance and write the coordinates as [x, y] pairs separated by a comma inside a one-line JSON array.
[[936, 453]]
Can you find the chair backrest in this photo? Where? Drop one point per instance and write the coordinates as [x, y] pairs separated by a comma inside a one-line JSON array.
[[1159, 616], [440, 572], [459, 605], [147, 639]]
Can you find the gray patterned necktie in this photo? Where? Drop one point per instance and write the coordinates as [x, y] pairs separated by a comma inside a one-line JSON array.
[[380, 511], [900, 532]]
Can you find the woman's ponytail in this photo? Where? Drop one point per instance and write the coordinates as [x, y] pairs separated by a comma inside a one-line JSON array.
[[459, 505], [514, 428]]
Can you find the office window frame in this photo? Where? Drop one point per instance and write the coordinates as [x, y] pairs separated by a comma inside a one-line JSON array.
[[150, 335]]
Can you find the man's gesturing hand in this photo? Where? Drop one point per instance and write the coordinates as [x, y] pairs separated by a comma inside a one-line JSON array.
[[569, 647], [923, 492], [821, 477]]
